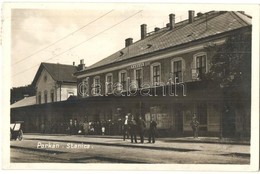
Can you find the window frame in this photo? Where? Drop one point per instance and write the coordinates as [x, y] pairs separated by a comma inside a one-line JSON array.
[[45, 96], [109, 75], [120, 79], [182, 67], [39, 97], [152, 75], [52, 95], [195, 56], [135, 77], [94, 85]]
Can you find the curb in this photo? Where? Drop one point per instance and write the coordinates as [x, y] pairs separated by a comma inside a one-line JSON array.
[[159, 139]]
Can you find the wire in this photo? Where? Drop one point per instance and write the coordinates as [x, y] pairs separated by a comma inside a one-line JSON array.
[[81, 42], [62, 38]]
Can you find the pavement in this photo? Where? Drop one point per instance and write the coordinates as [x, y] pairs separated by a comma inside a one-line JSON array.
[[184, 144], [45, 147]]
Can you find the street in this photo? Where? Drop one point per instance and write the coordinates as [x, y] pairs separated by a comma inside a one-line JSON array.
[[80, 149]]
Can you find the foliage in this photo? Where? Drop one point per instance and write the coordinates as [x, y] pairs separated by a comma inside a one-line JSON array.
[[231, 65]]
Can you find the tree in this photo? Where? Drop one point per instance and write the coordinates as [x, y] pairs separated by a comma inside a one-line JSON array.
[[231, 71]]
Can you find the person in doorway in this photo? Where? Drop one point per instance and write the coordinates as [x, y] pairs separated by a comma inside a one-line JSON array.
[[86, 127], [126, 127], [152, 130], [195, 125], [141, 128], [133, 127]]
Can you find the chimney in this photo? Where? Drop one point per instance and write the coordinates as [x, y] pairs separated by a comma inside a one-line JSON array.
[[128, 42], [81, 66], [143, 31], [73, 63], [191, 16], [156, 29], [168, 25], [172, 20]]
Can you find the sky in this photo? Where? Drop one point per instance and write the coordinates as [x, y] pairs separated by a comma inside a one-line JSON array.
[[48, 34]]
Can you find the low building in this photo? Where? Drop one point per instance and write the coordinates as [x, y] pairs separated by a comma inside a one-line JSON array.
[[54, 82]]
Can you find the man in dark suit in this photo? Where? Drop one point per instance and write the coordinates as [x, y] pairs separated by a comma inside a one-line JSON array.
[[152, 130], [133, 127], [141, 128]]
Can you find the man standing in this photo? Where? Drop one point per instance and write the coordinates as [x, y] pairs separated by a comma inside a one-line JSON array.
[[195, 125], [152, 130], [133, 127], [126, 127], [141, 128]]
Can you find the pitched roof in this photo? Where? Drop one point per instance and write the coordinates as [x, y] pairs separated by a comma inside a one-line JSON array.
[[209, 24], [59, 72], [24, 102]]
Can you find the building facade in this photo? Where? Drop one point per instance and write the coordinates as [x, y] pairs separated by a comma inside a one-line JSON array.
[[54, 82], [178, 55], [162, 75]]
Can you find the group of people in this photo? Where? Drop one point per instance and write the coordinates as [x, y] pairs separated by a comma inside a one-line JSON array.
[[134, 126]]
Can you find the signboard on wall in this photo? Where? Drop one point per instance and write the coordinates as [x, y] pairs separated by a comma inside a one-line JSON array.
[[164, 121]]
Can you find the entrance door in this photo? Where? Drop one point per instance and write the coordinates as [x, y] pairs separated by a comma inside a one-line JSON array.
[[202, 117], [179, 117]]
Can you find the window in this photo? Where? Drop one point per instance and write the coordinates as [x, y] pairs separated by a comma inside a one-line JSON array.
[[201, 65], [109, 83], [52, 95], [45, 78], [139, 77], [84, 87], [39, 98], [96, 85], [45, 96], [123, 79], [70, 93], [156, 74], [178, 66]]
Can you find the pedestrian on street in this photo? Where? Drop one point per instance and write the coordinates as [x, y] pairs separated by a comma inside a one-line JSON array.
[[195, 126], [141, 128], [152, 130], [133, 129], [126, 127]]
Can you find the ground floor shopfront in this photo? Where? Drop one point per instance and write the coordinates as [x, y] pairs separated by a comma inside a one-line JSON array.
[[172, 113]]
